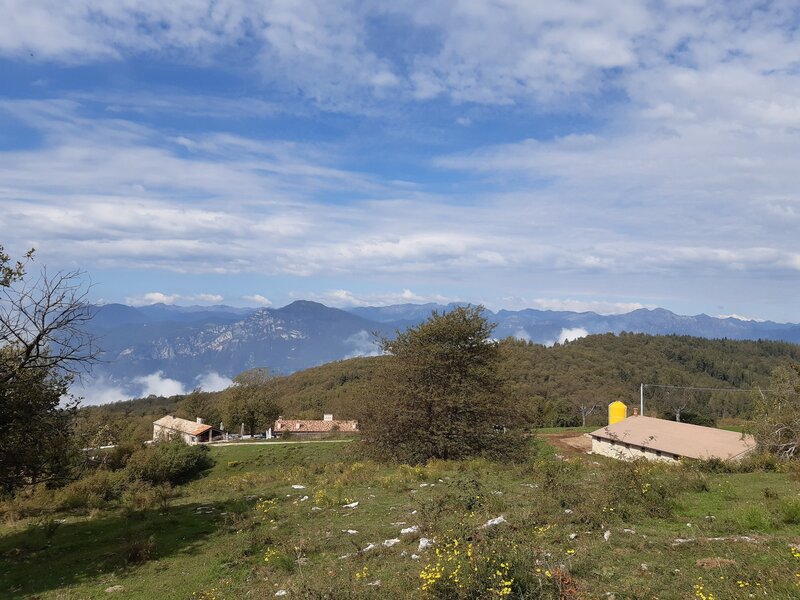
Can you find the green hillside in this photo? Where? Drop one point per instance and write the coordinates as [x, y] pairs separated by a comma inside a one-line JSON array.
[[547, 384]]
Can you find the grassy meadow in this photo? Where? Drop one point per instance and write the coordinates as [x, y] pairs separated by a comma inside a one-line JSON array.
[[573, 526]]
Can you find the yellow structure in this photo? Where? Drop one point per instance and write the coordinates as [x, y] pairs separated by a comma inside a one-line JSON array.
[[616, 412]]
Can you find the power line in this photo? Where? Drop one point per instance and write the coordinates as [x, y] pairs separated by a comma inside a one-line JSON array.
[[690, 387], [703, 389]]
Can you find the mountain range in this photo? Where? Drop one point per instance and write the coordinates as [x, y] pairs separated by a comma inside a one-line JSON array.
[[166, 348]]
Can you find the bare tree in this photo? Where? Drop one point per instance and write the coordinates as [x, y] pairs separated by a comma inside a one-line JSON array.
[[585, 403], [43, 325], [776, 425], [43, 346]]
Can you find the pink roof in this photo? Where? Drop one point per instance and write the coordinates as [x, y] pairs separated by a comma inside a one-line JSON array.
[[681, 439], [182, 425]]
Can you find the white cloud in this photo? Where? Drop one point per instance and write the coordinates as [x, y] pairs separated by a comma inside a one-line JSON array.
[[99, 391], [364, 344], [598, 306], [346, 298], [152, 298], [740, 318], [258, 299], [161, 298], [523, 335], [158, 385], [569, 335], [213, 382], [681, 162]]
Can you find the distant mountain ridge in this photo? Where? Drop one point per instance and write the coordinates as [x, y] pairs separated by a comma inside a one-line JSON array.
[[186, 343]]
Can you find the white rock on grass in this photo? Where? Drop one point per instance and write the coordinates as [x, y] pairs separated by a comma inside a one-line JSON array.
[[304, 498], [572, 536], [316, 508], [350, 531], [496, 521], [415, 557], [408, 530], [607, 535], [281, 593], [391, 542], [424, 543], [298, 487], [351, 505]]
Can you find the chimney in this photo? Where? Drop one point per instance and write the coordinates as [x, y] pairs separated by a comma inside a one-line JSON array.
[[635, 411], [200, 420]]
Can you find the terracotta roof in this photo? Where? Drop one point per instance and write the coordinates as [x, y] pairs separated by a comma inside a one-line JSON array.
[[182, 425], [681, 439], [313, 426]]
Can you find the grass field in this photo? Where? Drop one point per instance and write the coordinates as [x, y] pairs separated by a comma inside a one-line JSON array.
[[575, 527]]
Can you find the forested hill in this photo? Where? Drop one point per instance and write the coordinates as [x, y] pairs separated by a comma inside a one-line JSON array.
[[549, 384]]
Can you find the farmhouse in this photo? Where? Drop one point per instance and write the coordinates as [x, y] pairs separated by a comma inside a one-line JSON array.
[[314, 428], [192, 432], [658, 439]]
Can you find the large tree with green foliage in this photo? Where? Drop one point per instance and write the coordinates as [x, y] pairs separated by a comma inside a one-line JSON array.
[[42, 345], [439, 395], [251, 401]]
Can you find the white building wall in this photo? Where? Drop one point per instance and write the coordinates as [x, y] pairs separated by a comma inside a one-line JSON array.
[[161, 433], [623, 451]]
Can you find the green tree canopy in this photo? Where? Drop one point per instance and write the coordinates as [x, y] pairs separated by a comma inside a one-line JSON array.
[[439, 395], [251, 400]]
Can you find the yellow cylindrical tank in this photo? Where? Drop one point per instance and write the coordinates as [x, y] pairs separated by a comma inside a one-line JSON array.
[[616, 412]]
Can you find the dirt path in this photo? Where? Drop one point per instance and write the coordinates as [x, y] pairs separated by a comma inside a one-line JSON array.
[[571, 442]]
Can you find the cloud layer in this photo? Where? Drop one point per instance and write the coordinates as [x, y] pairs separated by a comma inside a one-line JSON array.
[[606, 155]]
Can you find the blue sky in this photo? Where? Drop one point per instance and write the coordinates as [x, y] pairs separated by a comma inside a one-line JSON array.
[[586, 155]]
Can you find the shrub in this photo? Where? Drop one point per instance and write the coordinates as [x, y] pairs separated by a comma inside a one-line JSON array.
[[644, 485], [754, 518], [138, 549], [92, 491], [168, 462], [759, 461], [790, 511], [119, 455], [139, 496]]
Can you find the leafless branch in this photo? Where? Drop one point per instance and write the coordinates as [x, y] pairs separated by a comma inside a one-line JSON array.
[[43, 325]]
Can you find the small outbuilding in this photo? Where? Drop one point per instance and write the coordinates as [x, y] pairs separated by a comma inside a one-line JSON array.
[[192, 432], [658, 439], [314, 427]]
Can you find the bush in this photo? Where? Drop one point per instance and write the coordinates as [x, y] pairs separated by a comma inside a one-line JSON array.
[[119, 455], [138, 549], [168, 462], [139, 496], [92, 491], [790, 511]]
